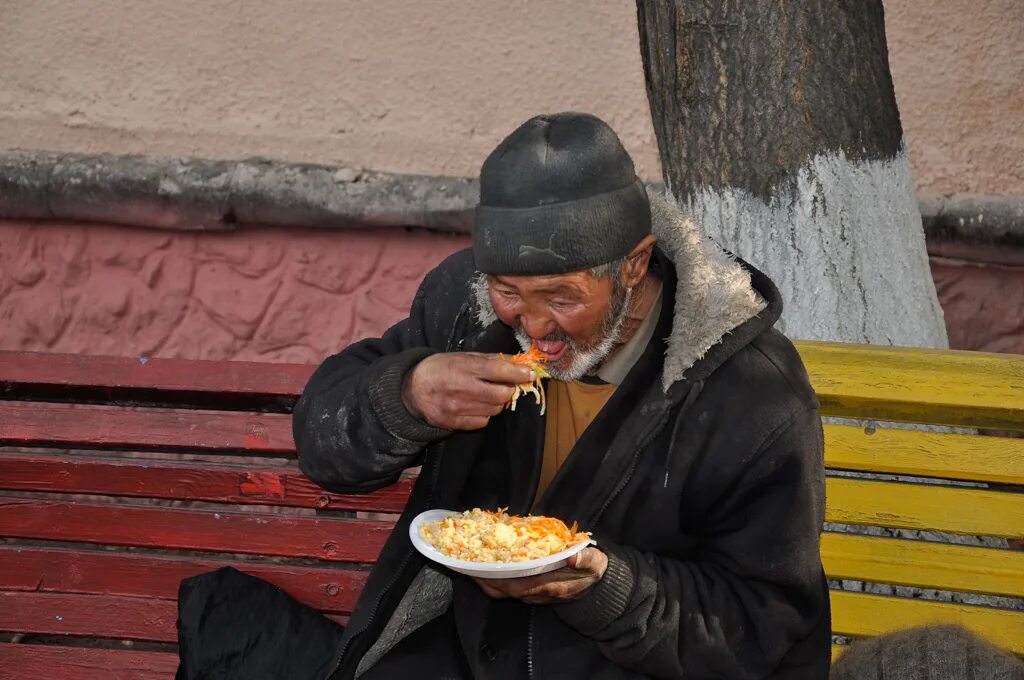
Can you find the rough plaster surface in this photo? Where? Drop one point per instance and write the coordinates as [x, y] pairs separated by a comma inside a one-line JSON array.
[[430, 87], [290, 295], [393, 85], [958, 69], [273, 295], [830, 245]]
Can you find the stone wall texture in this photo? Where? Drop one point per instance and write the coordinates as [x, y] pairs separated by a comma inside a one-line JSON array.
[[431, 86], [300, 295], [267, 295]]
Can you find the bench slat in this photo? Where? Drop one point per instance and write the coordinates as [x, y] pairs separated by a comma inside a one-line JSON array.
[[855, 614], [92, 572], [94, 615], [956, 510], [139, 575], [106, 616], [862, 615], [856, 379], [960, 568], [211, 482], [42, 424], [935, 454], [28, 662], [73, 371], [339, 540], [970, 389], [109, 616]]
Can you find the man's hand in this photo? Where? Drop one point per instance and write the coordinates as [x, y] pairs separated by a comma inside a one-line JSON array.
[[461, 390], [585, 568]]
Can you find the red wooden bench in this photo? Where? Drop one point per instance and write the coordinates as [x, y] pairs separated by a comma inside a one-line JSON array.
[[119, 477], [104, 563]]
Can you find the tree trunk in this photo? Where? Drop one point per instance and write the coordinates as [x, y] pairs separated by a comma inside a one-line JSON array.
[[778, 130]]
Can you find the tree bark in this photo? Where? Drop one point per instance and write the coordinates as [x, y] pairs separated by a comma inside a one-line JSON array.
[[778, 130]]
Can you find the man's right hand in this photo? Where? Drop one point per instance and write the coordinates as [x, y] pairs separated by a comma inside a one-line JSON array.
[[461, 390]]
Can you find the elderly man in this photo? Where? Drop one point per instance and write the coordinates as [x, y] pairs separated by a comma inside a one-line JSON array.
[[680, 429]]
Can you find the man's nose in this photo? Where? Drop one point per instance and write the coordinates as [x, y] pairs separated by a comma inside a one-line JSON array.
[[537, 327]]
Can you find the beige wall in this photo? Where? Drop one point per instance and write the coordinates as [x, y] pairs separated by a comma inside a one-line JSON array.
[[958, 67], [430, 86]]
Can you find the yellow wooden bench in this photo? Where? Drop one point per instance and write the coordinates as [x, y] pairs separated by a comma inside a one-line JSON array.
[[962, 389], [94, 540]]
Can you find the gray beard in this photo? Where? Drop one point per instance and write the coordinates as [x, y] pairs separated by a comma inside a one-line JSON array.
[[586, 359]]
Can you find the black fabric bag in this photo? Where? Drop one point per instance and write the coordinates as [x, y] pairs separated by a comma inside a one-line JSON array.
[[233, 626]]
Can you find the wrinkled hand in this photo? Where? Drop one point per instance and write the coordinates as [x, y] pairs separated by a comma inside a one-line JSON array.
[[585, 568], [461, 390]]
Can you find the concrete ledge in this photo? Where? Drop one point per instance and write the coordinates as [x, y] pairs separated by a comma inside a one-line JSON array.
[[200, 194], [974, 218]]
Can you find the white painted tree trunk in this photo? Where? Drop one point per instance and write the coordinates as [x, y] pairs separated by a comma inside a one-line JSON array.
[[779, 131], [844, 245]]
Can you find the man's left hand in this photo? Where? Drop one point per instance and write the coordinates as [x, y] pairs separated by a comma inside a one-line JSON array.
[[585, 568]]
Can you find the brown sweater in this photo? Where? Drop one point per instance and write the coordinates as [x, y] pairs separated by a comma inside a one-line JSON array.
[[572, 406]]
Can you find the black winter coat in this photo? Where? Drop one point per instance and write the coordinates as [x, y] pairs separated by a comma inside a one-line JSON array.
[[702, 479]]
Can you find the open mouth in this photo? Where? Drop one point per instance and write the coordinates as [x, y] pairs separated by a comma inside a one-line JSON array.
[[553, 349]]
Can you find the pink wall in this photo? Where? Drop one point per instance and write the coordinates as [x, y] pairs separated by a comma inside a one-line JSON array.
[[294, 295], [982, 293], [268, 295]]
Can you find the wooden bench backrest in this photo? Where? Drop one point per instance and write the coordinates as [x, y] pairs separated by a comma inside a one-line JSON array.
[[100, 537], [959, 389], [106, 561]]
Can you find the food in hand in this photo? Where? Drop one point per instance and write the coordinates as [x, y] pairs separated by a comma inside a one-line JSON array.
[[484, 536], [535, 360]]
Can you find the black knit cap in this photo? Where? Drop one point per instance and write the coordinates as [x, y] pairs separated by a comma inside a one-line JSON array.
[[559, 194]]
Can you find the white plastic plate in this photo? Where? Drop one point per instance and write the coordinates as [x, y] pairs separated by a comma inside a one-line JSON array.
[[487, 569]]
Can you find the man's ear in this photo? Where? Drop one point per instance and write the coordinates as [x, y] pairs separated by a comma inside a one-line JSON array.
[[639, 259]]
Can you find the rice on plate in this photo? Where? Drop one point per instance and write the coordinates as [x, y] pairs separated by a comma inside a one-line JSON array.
[[496, 537]]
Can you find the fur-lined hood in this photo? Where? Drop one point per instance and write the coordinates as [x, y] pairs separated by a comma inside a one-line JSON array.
[[714, 293], [713, 296]]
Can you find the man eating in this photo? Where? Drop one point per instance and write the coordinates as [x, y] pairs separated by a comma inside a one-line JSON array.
[[681, 430]]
